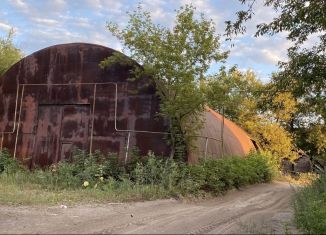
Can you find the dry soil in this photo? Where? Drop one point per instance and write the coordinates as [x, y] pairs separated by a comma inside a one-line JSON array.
[[264, 208]]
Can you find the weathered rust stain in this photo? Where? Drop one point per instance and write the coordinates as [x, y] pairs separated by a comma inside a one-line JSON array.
[[56, 119]]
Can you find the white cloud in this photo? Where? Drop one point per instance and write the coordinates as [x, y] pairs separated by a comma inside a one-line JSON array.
[[4, 26], [82, 22], [313, 40], [112, 6], [20, 4], [206, 7], [261, 50], [57, 5], [270, 56], [44, 21]]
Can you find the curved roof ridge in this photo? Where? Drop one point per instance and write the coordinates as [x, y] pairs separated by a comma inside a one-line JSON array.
[[226, 120]]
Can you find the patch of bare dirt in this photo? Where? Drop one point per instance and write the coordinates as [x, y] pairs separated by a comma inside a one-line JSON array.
[[264, 208]]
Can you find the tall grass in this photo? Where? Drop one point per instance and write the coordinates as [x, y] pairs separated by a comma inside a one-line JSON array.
[[99, 177], [310, 207]]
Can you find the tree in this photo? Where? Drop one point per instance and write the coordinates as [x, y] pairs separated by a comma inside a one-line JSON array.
[[300, 18], [303, 76], [177, 60], [9, 54], [234, 92]]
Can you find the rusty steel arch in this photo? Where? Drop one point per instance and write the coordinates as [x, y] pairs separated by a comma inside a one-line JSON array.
[[75, 67]]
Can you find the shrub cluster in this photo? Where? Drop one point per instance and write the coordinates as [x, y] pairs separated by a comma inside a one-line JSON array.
[[173, 177], [93, 169], [217, 176], [8, 165], [310, 207]]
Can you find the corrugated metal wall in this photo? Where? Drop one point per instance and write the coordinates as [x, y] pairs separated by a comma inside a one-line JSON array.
[[59, 99]]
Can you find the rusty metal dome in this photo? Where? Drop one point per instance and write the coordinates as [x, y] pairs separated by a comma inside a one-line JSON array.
[[220, 137], [59, 99]]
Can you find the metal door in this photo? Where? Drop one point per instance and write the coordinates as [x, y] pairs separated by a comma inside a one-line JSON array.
[[47, 142], [60, 130], [74, 130]]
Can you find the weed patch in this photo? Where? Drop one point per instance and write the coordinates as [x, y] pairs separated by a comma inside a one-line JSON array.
[[98, 177], [310, 207]]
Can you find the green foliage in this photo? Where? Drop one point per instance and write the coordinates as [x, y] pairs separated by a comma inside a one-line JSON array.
[[218, 176], [317, 136], [298, 18], [9, 54], [177, 60], [300, 83], [154, 176], [8, 165], [157, 172], [310, 207], [211, 176], [234, 91], [93, 169]]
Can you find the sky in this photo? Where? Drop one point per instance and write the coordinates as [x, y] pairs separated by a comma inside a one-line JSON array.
[[42, 23]]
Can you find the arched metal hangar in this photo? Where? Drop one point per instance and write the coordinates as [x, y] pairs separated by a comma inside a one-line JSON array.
[[59, 99]]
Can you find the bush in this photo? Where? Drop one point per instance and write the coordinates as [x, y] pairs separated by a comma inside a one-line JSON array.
[[217, 176], [310, 207], [157, 171], [8, 165], [93, 169], [213, 176], [165, 176]]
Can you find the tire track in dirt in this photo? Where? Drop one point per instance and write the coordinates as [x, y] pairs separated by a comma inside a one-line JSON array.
[[258, 208], [225, 224]]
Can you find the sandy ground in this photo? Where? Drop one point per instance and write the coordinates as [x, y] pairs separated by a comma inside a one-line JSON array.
[[264, 208]]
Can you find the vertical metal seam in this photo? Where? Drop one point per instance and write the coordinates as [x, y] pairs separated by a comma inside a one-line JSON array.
[[206, 145], [127, 148], [15, 115], [2, 137], [116, 107], [19, 116], [93, 112]]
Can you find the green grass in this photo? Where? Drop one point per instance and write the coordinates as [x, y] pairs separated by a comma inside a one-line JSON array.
[[26, 193], [310, 207], [99, 178]]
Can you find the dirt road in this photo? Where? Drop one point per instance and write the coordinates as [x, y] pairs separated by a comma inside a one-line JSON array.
[[261, 208]]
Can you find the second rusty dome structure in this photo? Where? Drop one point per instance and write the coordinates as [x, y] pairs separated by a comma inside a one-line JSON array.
[[59, 99]]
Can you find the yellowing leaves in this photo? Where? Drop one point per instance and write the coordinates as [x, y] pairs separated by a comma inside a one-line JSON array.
[[285, 106]]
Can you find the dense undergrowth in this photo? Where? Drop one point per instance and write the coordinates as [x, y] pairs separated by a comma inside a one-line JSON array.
[[310, 207], [100, 177]]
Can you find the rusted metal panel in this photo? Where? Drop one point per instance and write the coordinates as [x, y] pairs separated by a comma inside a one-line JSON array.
[[54, 101], [47, 144], [224, 138], [75, 128], [60, 130]]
